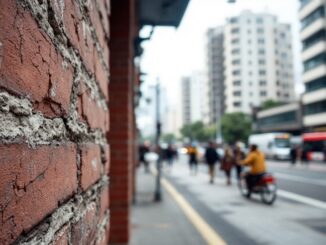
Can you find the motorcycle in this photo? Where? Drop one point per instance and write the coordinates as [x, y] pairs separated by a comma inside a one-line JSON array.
[[265, 186]]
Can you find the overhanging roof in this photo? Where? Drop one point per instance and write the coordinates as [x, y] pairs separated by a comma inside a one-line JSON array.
[[161, 12]]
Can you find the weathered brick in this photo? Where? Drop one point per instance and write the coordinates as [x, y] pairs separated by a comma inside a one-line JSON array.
[[90, 164], [107, 159], [31, 65], [92, 112], [101, 76], [32, 183], [84, 231], [104, 201]]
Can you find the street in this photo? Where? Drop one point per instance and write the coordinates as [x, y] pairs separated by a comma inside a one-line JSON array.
[[297, 217]]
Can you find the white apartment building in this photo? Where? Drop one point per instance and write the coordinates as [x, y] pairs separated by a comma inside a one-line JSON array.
[[313, 37], [258, 61], [215, 74], [194, 98]]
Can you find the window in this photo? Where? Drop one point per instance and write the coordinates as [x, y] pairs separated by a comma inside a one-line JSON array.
[[236, 62], [249, 31], [316, 84], [314, 62], [234, 20], [286, 117], [262, 83], [249, 41], [261, 62], [249, 52], [259, 20], [260, 30], [262, 72], [237, 83], [235, 41], [315, 38], [315, 15], [250, 73], [261, 41], [237, 93], [261, 51], [235, 51], [284, 55], [235, 30], [236, 104], [263, 93], [314, 108], [236, 72]]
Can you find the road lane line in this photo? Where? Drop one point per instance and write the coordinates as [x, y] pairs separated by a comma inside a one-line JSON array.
[[206, 231], [300, 179], [302, 199]]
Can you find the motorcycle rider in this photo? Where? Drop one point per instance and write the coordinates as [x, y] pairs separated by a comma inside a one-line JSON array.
[[256, 161]]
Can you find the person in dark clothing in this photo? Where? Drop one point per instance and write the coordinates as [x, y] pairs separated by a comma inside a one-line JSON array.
[[193, 162], [211, 157], [293, 155], [238, 156], [170, 155], [142, 150]]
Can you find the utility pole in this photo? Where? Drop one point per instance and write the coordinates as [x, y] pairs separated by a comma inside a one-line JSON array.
[[158, 194]]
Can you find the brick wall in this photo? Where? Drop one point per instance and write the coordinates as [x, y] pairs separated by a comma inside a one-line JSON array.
[[54, 118], [122, 134]]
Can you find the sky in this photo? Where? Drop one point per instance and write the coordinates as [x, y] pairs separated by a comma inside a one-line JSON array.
[[176, 52]]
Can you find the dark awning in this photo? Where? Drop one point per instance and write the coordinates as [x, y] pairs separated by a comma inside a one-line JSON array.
[[161, 12]]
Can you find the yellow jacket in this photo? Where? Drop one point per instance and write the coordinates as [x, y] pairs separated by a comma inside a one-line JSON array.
[[256, 161]]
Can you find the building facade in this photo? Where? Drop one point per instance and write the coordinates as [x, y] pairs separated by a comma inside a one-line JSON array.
[[313, 36], [258, 62], [215, 74]]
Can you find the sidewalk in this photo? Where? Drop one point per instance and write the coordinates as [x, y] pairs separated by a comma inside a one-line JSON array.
[[160, 223]]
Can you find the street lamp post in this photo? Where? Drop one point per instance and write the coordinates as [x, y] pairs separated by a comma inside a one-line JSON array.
[[158, 194]]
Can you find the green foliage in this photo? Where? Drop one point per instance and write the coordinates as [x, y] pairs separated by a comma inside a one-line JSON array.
[[169, 138], [236, 126], [198, 131], [270, 104]]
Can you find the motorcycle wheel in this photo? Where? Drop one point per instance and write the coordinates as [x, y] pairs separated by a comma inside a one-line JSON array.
[[268, 194], [244, 188]]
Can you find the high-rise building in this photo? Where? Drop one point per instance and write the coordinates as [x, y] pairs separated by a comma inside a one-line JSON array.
[[313, 37], [258, 61], [215, 70], [194, 98]]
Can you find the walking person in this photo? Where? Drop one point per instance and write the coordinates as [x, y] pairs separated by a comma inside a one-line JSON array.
[[142, 151], [193, 161], [239, 155], [227, 164], [293, 155], [211, 157], [169, 156]]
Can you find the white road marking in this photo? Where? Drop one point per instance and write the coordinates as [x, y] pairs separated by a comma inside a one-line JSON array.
[[302, 199]]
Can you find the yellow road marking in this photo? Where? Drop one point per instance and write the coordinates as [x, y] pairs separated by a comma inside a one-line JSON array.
[[206, 231]]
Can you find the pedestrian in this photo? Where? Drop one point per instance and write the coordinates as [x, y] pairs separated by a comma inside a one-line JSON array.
[[293, 155], [227, 164], [239, 155], [193, 161], [169, 156], [304, 156], [142, 151], [211, 157]]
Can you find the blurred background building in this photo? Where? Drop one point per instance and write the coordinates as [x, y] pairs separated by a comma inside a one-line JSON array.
[[313, 36], [257, 61]]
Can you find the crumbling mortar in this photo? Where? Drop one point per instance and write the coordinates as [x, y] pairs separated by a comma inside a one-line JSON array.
[[101, 227], [69, 213], [60, 40], [18, 123]]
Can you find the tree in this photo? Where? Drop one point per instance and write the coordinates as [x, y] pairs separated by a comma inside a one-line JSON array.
[[270, 104], [198, 131], [169, 138], [235, 126]]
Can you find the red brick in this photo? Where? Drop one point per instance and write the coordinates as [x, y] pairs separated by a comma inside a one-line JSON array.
[[107, 159], [84, 231], [32, 183], [30, 61], [61, 237], [90, 165], [101, 76], [96, 116]]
